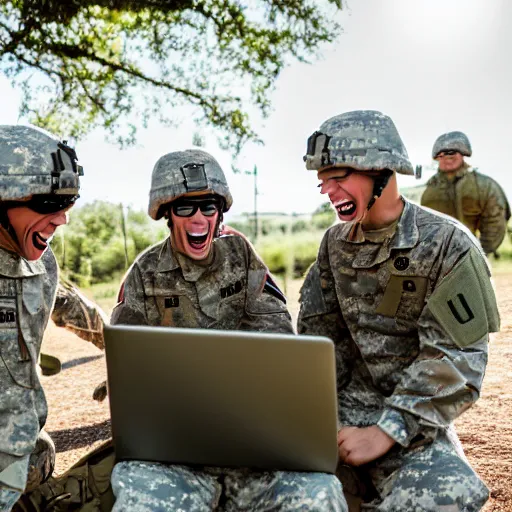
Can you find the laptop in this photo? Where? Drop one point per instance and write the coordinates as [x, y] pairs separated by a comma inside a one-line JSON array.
[[222, 398]]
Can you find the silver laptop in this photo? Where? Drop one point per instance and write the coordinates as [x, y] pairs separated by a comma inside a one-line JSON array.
[[222, 398]]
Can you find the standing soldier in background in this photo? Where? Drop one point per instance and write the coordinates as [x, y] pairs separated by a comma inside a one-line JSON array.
[[39, 182], [474, 199], [406, 296]]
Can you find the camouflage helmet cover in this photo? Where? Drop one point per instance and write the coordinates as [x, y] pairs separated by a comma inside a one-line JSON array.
[[364, 140], [185, 172], [455, 141], [33, 162]]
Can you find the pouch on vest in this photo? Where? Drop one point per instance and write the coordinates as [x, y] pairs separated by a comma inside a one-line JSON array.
[[85, 487]]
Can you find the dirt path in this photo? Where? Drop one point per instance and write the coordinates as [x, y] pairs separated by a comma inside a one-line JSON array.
[[78, 423]]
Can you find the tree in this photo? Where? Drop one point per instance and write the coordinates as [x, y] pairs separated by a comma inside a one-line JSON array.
[[83, 64], [324, 208]]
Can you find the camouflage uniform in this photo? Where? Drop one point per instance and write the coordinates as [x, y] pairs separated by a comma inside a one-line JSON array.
[[400, 363], [234, 291], [78, 314], [31, 163], [474, 199], [27, 295]]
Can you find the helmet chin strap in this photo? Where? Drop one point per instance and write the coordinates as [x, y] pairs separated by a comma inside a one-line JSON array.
[[379, 184]]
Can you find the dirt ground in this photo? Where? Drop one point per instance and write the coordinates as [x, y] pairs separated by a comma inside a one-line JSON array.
[[77, 423]]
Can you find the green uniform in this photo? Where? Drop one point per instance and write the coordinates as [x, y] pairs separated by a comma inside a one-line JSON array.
[[474, 199]]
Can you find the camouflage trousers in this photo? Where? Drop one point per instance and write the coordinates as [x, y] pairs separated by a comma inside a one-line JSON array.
[[11, 488], [433, 477], [150, 486], [8, 498]]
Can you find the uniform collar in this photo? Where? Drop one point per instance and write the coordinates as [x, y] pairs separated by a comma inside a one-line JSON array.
[[457, 176], [13, 265], [406, 237], [169, 260]]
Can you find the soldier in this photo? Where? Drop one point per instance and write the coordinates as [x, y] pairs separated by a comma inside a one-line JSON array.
[[78, 314], [406, 296], [194, 279], [474, 199], [39, 182]]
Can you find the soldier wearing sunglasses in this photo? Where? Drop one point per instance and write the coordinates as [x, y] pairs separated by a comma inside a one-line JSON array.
[[473, 198], [39, 182], [197, 279]]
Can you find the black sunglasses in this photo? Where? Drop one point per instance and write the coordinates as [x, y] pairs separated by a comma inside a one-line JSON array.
[[449, 152], [50, 203], [189, 208]]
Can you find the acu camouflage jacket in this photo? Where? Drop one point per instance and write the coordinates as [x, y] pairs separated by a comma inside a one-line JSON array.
[[393, 310], [235, 291], [27, 293]]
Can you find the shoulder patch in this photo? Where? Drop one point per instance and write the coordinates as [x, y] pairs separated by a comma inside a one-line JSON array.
[[272, 288], [464, 302]]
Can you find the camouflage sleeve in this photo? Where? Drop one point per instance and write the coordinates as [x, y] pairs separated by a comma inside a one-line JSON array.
[[131, 306], [453, 330], [78, 314], [265, 306], [493, 222], [320, 314]]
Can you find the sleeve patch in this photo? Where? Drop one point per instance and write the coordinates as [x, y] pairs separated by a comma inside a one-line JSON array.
[[464, 302], [272, 288]]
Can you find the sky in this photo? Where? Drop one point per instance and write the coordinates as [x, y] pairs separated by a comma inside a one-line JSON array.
[[432, 65]]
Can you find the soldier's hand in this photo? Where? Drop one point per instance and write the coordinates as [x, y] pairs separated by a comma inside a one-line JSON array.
[[359, 445], [100, 393]]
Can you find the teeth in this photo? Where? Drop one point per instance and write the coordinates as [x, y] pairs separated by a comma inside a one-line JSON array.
[[197, 234]]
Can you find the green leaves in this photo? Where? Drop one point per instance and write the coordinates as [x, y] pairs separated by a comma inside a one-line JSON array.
[[113, 63]]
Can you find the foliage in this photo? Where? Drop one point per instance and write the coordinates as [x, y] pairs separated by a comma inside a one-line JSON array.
[[90, 248], [94, 63], [323, 208], [324, 216], [413, 193], [292, 254]]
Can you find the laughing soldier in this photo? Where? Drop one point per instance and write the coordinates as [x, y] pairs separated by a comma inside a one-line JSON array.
[[39, 182], [194, 279], [406, 296]]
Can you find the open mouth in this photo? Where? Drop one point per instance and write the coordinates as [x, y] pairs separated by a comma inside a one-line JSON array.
[[346, 208], [39, 241], [197, 241]]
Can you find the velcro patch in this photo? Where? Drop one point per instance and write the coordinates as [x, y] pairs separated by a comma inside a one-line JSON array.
[[464, 302], [231, 289], [8, 313], [172, 302]]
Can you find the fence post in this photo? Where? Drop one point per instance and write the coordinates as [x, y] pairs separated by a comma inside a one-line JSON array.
[[123, 229]]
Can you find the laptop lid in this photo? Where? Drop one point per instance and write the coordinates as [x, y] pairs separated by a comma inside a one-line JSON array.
[[222, 398]]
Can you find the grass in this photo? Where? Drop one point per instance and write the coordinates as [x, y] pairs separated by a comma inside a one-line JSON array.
[[288, 256]]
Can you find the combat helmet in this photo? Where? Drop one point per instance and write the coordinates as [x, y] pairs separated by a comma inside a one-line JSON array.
[[33, 163], [182, 172], [455, 141], [364, 140]]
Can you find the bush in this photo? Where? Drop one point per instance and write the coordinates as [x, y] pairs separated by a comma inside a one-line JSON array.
[[291, 255]]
